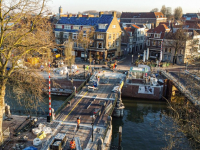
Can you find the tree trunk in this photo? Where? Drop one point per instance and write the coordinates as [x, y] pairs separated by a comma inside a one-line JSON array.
[[2, 107]]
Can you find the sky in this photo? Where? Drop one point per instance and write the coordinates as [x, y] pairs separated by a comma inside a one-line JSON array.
[[75, 6]]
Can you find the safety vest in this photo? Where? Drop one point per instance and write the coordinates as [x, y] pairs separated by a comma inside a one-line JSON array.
[[78, 121], [72, 145]]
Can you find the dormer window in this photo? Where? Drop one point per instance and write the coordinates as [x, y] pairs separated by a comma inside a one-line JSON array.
[[68, 27], [102, 26], [76, 27], [58, 26]]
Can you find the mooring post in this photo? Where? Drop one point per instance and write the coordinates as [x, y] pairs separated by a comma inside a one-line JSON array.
[[120, 138]]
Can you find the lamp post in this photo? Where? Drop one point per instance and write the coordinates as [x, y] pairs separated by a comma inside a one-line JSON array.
[[138, 58], [132, 59]]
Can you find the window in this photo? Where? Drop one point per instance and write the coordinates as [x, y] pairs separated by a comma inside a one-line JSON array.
[[170, 50], [117, 35], [100, 36], [165, 57], [57, 34], [181, 51], [58, 26], [102, 26], [109, 36], [180, 59], [67, 27], [166, 50], [117, 43], [66, 35], [114, 26], [169, 57], [113, 43], [157, 35], [130, 40], [76, 27], [149, 34], [99, 44], [74, 36], [113, 36], [122, 33], [75, 44], [109, 44], [153, 43], [159, 43], [148, 42]]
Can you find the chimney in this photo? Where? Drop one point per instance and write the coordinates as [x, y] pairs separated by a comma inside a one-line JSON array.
[[100, 13], [70, 15], [114, 13], [79, 15]]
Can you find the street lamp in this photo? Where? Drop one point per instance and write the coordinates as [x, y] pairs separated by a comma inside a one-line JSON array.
[[138, 58], [132, 59]]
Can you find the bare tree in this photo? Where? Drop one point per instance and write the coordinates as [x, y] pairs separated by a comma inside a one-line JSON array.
[[154, 10], [163, 10], [168, 11], [178, 12], [69, 52], [23, 32], [177, 41], [85, 38]]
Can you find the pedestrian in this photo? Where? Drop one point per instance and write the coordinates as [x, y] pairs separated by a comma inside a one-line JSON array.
[[72, 144], [78, 122], [41, 67]]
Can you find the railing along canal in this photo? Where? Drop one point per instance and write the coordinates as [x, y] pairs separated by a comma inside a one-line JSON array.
[[181, 87]]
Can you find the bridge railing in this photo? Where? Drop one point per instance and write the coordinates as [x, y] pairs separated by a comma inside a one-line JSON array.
[[181, 87], [70, 97]]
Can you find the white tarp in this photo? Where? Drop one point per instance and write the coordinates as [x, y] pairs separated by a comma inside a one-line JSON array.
[[146, 89]]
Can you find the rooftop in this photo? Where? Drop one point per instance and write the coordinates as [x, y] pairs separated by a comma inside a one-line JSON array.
[[86, 21], [142, 15]]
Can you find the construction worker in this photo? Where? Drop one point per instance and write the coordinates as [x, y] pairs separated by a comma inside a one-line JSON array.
[[78, 122], [72, 144]]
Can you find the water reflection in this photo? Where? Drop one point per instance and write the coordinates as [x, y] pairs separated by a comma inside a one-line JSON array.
[[144, 125], [42, 108]]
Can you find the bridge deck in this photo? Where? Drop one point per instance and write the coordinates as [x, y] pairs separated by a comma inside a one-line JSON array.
[[81, 106]]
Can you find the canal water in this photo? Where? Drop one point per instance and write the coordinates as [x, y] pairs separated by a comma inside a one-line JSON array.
[[146, 126]]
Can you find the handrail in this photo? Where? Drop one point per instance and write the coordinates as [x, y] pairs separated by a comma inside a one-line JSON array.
[[181, 88]]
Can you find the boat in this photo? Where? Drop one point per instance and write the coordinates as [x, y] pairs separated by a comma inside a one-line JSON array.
[[141, 83]]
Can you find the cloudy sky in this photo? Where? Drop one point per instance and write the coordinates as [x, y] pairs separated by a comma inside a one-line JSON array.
[[73, 6]]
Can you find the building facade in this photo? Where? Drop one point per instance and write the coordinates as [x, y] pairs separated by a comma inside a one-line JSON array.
[[106, 41], [154, 41], [133, 37], [189, 48], [153, 18]]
